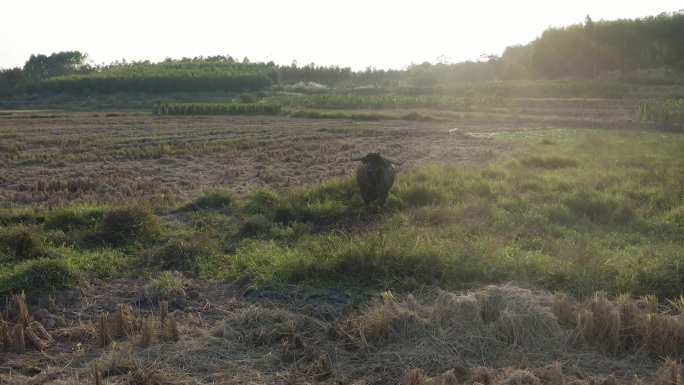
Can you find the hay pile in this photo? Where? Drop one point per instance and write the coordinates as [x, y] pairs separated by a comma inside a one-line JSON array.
[[19, 332], [483, 324], [625, 324]]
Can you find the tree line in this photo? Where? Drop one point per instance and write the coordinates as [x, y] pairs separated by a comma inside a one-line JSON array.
[[616, 49], [585, 50]]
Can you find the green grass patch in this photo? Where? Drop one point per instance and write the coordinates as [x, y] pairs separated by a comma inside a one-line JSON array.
[[217, 109], [570, 218], [18, 243], [181, 254], [590, 210], [551, 162], [72, 218], [212, 200], [165, 286], [341, 115], [38, 275], [129, 224]]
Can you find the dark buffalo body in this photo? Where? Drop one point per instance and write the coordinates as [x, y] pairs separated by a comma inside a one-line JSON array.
[[375, 177]]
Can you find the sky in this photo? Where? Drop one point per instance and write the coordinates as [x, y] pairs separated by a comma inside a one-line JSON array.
[[348, 33]]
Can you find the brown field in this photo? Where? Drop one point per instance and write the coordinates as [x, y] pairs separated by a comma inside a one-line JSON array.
[[55, 157]]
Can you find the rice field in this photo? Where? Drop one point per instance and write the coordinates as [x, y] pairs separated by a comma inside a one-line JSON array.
[[525, 241]]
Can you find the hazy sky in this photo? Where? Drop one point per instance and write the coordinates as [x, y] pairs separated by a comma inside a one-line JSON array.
[[355, 33]]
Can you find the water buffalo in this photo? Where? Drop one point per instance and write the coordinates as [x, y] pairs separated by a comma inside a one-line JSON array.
[[375, 177]]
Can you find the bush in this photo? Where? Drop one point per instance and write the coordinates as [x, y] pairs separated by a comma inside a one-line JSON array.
[[126, 224], [37, 275], [20, 243], [212, 200]]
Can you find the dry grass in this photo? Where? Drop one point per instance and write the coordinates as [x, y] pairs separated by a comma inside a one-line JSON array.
[[22, 309], [25, 332], [497, 335], [628, 324], [19, 339], [670, 373], [172, 331], [177, 157], [565, 309], [148, 333], [163, 312], [103, 332], [5, 339], [120, 366], [123, 325], [83, 333], [97, 374]]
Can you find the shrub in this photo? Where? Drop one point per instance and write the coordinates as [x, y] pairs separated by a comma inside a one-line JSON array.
[[212, 200], [38, 275], [129, 223], [20, 243]]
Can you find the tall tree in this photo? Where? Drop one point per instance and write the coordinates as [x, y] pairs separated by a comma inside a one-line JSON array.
[[40, 67]]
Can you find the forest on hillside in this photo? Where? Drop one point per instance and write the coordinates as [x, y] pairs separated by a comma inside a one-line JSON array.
[[630, 49]]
